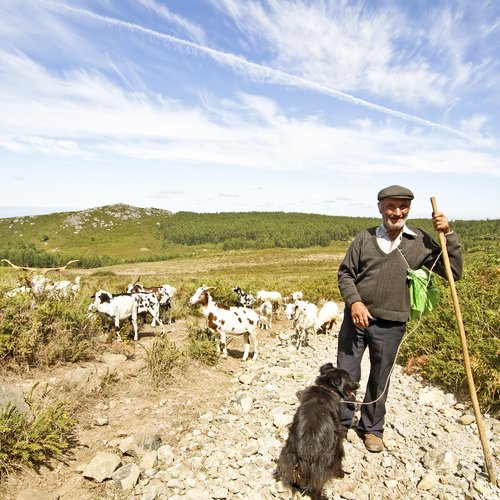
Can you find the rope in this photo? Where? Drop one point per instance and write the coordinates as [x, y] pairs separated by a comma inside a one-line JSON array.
[[406, 335]]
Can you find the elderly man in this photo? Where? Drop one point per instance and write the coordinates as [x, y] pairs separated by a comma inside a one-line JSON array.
[[373, 283]]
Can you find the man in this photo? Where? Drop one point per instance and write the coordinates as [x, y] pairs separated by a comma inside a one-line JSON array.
[[372, 282]]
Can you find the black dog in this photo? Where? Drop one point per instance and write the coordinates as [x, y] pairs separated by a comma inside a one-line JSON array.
[[314, 449]]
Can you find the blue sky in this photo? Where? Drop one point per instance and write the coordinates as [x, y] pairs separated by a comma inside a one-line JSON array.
[[236, 105]]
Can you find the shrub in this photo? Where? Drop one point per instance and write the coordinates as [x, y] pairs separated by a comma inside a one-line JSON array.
[[202, 345], [162, 358], [45, 331], [437, 337], [26, 441]]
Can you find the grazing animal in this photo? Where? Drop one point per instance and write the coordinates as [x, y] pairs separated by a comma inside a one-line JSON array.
[[274, 297], [39, 285], [327, 317], [225, 320], [164, 294], [115, 309], [244, 299], [303, 314], [314, 449], [122, 307], [266, 315]]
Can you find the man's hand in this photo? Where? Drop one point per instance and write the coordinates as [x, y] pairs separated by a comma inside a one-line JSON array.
[[360, 315], [440, 222]]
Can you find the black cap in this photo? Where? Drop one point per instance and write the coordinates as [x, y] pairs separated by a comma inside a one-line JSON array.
[[395, 192]]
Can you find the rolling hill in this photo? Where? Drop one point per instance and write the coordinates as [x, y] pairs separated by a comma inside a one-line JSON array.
[[121, 231]]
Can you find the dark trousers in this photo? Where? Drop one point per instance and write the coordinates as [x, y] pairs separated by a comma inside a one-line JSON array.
[[382, 338]]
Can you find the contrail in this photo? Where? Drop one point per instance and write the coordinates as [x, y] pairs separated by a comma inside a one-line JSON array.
[[256, 70]]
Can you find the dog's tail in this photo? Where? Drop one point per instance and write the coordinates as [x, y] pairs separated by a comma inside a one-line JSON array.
[[302, 474]]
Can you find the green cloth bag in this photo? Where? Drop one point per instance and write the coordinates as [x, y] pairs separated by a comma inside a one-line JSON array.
[[424, 294]]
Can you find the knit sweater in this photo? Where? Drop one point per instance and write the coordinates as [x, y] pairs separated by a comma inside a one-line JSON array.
[[377, 279]]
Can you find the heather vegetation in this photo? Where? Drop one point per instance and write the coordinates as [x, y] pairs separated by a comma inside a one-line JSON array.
[[274, 251]]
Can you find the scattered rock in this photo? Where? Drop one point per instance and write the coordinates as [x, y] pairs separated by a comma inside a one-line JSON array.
[[102, 466], [126, 477]]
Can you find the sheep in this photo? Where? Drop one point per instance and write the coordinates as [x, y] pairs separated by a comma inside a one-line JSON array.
[[297, 296], [164, 294], [266, 315], [244, 299], [303, 314], [228, 320], [327, 317]]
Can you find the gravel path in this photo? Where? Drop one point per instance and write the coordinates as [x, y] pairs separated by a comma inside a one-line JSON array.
[[432, 445], [432, 450]]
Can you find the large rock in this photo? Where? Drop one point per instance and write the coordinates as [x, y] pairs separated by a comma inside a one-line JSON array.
[[102, 466], [14, 395], [146, 439], [126, 477]]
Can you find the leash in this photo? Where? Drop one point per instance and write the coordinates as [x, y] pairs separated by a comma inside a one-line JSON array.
[[405, 336]]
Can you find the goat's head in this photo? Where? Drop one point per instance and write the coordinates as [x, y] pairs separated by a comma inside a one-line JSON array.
[[290, 310], [201, 295], [102, 296]]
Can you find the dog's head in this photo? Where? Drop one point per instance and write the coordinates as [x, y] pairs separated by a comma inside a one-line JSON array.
[[338, 380]]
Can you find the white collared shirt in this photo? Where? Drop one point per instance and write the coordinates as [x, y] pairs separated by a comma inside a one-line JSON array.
[[384, 241]]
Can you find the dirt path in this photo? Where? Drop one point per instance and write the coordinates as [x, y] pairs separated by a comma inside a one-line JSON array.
[[226, 425]]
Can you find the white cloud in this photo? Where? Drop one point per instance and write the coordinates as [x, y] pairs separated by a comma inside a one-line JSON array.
[[360, 46], [83, 113], [194, 31]]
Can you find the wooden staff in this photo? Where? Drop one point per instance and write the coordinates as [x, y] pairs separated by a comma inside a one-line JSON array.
[[465, 352]]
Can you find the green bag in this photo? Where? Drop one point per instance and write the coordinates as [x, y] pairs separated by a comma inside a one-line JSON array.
[[424, 294]]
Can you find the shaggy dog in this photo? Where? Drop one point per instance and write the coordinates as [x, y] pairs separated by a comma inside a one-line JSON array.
[[314, 449]]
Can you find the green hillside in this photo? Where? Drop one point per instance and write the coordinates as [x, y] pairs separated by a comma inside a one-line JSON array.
[[116, 234], [119, 231]]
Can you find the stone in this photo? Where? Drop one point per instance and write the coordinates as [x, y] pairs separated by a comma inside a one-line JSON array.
[[146, 439], [428, 481], [126, 477], [102, 466], [466, 419]]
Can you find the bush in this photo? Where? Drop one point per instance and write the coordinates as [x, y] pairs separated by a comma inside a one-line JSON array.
[[162, 358], [26, 441], [437, 339], [45, 331], [202, 345]]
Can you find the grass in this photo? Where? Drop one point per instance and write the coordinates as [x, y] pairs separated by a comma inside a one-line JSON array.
[[162, 359]]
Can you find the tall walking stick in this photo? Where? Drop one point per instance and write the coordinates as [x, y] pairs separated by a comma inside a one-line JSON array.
[[465, 351]]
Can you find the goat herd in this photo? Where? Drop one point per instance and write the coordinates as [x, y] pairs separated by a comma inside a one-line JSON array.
[[223, 320]]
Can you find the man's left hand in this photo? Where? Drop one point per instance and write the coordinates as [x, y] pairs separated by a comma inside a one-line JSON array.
[[440, 222]]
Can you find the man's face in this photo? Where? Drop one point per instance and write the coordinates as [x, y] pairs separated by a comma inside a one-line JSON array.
[[394, 212]]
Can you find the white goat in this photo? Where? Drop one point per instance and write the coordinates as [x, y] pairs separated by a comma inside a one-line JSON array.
[[64, 288], [303, 314], [274, 297], [266, 315], [121, 307], [225, 320], [115, 308], [327, 317]]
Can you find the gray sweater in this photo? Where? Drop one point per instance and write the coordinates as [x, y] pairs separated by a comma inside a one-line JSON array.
[[378, 279]]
